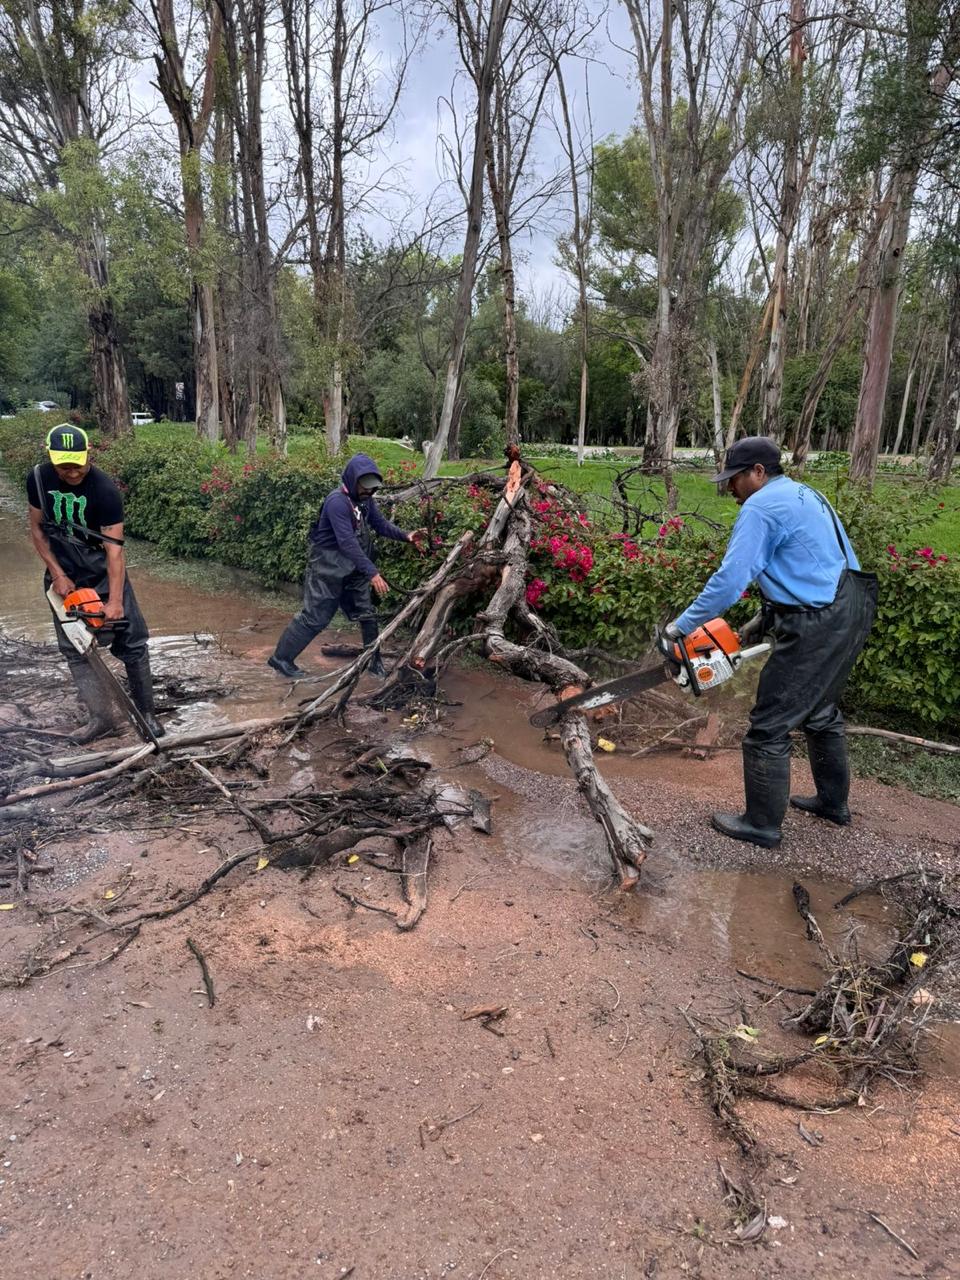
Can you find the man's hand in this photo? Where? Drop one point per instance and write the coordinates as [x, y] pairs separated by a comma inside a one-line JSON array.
[[63, 585], [417, 537], [380, 585], [113, 611], [666, 639]]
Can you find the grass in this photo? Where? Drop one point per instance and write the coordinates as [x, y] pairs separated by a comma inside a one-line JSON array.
[[923, 772]]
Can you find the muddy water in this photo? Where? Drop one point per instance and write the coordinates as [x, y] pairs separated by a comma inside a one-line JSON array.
[[202, 618]]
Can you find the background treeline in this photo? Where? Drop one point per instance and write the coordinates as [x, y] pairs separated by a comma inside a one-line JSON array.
[[204, 196]]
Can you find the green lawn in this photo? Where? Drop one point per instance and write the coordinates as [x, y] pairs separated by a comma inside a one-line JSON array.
[[595, 481]]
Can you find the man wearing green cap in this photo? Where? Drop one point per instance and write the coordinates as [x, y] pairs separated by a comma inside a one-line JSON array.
[[76, 527]]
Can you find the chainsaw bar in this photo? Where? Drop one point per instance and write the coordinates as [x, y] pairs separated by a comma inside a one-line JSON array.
[[602, 695], [115, 690]]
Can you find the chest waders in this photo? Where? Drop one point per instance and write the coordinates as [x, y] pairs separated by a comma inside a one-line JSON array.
[[81, 555], [799, 688], [331, 582]]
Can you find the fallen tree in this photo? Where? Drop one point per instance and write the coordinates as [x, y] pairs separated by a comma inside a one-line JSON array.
[[490, 572]]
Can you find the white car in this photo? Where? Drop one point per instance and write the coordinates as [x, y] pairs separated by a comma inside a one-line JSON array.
[[46, 406], [141, 419]]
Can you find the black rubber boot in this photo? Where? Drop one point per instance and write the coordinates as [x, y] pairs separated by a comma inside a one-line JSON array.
[[766, 785], [369, 630], [141, 691], [831, 774], [289, 647], [101, 721]]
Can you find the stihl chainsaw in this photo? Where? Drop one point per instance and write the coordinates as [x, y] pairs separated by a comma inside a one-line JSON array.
[[82, 616], [701, 661]]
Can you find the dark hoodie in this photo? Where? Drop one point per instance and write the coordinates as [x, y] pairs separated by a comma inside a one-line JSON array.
[[345, 523]]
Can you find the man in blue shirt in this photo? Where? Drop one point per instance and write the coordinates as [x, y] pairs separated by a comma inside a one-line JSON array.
[[340, 570], [789, 540]]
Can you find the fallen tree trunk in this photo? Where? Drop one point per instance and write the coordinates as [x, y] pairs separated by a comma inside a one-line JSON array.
[[512, 521], [89, 762]]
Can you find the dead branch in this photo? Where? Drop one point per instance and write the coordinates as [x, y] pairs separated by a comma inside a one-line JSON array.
[[204, 970]]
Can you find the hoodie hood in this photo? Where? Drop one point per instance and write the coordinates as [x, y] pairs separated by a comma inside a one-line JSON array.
[[361, 464]]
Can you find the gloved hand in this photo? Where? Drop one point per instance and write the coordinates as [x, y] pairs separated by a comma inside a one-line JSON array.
[[666, 638]]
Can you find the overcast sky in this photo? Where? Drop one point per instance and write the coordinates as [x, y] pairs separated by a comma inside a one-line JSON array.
[[411, 162]]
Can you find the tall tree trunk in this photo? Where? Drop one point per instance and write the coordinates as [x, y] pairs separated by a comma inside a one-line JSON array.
[[717, 442], [226, 338], [789, 204], [946, 432], [192, 121], [112, 404], [924, 386], [907, 387], [334, 263], [815, 389], [881, 330], [468, 270]]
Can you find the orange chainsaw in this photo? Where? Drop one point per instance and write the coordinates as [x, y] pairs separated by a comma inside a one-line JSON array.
[[697, 663], [83, 618]]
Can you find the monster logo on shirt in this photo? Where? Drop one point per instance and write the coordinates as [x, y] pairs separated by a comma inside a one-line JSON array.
[[69, 506]]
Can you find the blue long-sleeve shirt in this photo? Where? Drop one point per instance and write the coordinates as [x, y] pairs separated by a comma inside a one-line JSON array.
[[785, 540], [343, 517]]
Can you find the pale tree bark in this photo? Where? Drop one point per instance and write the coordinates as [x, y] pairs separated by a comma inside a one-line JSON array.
[[802, 113], [580, 238], [790, 196], [884, 305], [945, 436], [192, 121], [717, 441], [63, 68], [689, 163], [928, 375], [881, 330], [545, 32], [808, 412], [225, 306], [908, 386], [245, 44], [332, 91], [490, 34]]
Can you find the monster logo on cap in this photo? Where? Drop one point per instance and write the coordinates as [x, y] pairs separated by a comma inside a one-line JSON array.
[[67, 445]]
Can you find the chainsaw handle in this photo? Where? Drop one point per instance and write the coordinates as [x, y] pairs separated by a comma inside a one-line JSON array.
[[687, 666]]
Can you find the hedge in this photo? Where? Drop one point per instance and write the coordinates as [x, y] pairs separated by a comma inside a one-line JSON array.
[[597, 587]]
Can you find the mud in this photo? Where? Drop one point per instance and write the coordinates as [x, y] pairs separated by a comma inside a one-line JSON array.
[[297, 1127]]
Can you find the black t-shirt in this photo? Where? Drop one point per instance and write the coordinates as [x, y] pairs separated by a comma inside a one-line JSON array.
[[95, 503]]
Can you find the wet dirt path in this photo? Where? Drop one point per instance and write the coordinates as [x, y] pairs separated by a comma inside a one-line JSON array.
[[280, 1133]]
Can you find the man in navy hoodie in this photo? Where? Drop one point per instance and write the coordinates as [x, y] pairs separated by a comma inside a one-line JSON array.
[[340, 568]]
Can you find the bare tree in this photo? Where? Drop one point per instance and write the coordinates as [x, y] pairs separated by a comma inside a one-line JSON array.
[[924, 41], [693, 59], [340, 106], [62, 100], [244, 24], [191, 114], [579, 158], [945, 436], [488, 24]]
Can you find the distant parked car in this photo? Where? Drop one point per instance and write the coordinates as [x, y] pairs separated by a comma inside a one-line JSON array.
[[141, 419], [46, 406]]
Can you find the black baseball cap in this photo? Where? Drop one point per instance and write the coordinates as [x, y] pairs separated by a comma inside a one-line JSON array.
[[67, 445], [369, 482], [747, 453]]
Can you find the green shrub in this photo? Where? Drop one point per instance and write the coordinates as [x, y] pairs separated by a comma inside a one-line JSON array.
[[597, 587], [908, 672]]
